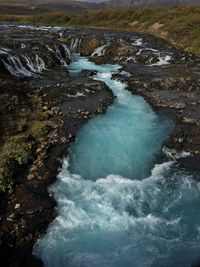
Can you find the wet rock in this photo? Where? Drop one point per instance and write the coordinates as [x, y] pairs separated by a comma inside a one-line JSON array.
[[88, 45], [88, 73], [146, 57]]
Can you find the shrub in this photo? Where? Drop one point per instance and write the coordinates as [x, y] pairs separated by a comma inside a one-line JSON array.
[[16, 152], [38, 129]]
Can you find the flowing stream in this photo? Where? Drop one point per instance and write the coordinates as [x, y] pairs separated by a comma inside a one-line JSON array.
[[116, 207]]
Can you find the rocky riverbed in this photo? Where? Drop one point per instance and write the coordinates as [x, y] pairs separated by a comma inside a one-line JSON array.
[[43, 106]]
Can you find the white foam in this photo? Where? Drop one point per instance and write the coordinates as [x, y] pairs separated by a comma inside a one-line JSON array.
[[4, 50], [125, 73], [160, 169], [174, 154], [100, 51], [163, 60], [138, 42]]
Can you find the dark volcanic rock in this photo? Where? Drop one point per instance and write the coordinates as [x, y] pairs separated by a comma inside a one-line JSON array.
[[174, 89], [47, 110]]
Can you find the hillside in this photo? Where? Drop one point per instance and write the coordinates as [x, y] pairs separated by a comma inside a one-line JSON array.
[[179, 24], [142, 3], [25, 7]]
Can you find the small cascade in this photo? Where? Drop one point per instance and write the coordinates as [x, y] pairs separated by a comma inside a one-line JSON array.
[[163, 60], [29, 64], [155, 58], [100, 51], [138, 42], [59, 56], [136, 55], [24, 66], [67, 51], [16, 67], [163, 57], [37, 65], [75, 44], [62, 56]]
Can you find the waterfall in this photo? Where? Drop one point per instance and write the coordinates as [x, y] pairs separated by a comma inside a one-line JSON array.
[[24, 66], [15, 66], [29, 65], [37, 65], [100, 51], [67, 51], [163, 60], [75, 44], [58, 53]]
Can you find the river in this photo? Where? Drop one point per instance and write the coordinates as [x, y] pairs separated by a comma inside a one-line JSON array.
[[117, 207]]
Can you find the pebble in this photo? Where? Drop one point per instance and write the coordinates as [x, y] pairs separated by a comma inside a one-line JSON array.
[[45, 108], [31, 177], [11, 218], [70, 136], [17, 206]]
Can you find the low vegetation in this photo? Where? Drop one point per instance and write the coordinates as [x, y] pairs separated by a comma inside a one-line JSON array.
[[38, 129], [180, 24], [16, 152], [22, 134]]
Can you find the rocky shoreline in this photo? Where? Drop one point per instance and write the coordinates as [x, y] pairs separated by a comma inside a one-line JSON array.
[[30, 207], [44, 106]]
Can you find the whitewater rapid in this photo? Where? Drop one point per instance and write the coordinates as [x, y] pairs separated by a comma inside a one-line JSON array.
[[116, 207]]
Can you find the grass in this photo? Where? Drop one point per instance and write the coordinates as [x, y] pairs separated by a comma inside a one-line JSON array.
[[179, 24]]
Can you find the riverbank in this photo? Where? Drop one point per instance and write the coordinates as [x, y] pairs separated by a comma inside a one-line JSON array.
[[45, 106], [47, 112]]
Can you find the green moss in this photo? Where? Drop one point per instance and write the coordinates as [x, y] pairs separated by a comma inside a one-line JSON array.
[[18, 148], [16, 152], [6, 174], [39, 129]]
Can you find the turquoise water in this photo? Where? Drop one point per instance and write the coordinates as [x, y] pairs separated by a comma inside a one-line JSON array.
[[116, 143], [116, 207]]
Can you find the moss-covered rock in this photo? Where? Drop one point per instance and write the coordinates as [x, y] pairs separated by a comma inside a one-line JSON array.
[[39, 129], [17, 151]]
